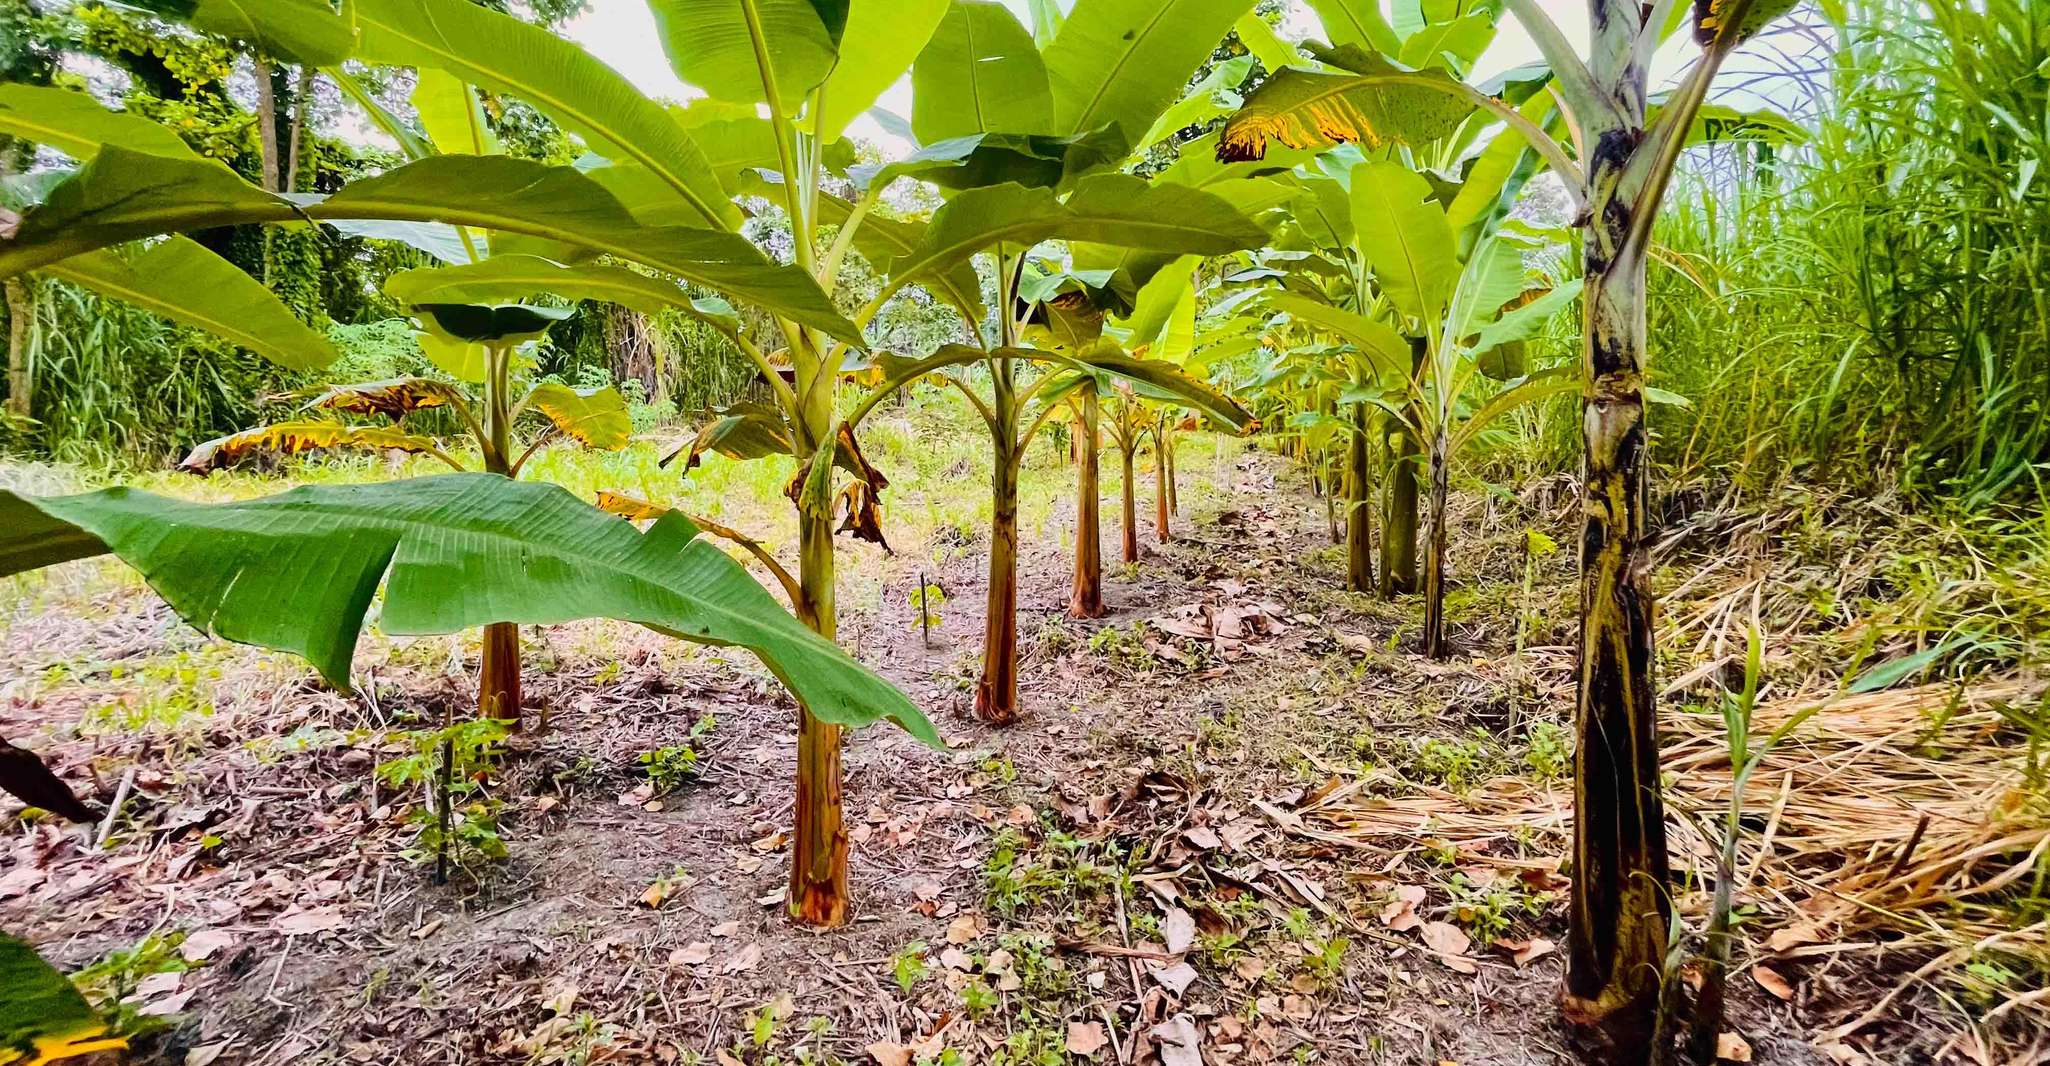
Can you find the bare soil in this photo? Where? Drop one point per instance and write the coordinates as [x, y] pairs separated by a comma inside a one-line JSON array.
[[1017, 896]]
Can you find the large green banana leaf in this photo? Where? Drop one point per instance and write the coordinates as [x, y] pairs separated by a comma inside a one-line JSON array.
[[1125, 61], [1406, 239], [184, 281], [517, 277], [1357, 22], [122, 196], [883, 37], [451, 114], [711, 44], [1377, 341], [296, 31], [503, 54], [979, 73], [1115, 209], [297, 571], [77, 125]]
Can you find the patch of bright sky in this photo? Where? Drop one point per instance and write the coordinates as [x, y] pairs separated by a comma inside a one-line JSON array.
[[622, 33]]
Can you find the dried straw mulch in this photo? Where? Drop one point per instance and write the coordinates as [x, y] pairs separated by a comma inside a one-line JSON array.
[[1896, 821]]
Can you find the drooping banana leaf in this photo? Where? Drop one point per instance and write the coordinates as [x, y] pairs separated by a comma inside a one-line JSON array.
[[393, 398], [503, 54], [296, 572], [122, 196], [77, 125], [187, 282], [517, 277], [1115, 209], [300, 436], [296, 31]]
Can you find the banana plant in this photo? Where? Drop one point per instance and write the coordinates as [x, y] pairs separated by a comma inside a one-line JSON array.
[[1025, 140], [1620, 160], [297, 572], [662, 205], [476, 344]]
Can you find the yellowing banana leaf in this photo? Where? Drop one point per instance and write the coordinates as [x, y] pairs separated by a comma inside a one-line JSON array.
[[1383, 104], [595, 418], [43, 1017], [394, 398], [296, 572], [294, 438]]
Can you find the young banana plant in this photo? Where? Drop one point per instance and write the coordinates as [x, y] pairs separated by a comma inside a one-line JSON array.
[[475, 344], [1615, 174], [662, 204]]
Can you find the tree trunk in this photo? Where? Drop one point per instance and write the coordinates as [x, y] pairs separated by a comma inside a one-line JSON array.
[[1161, 530], [996, 694], [498, 667], [21, 310], [1359, 526], [302, 102], [1434, 549], [818, 847], [1399, 525], [498, 675], [1174, 492], [1620, 907], [1086, 599], [267, 125], [1130, 544], [1330, 505]]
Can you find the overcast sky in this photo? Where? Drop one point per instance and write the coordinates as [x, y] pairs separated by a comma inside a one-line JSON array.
[[622, 33]]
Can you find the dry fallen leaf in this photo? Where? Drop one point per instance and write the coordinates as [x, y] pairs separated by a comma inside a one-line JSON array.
[[744, 960], [1446, 938], [1176, 978], [202, 945], [695, 953], [888, 1054], [1770, 980], [317, 920], [1729, 1047], [205, 1054], [963, 929], [559, 998], [1524, 952], [1451, 944], [1180, 1043], [1178, 929], [1085, 1038], [1400, 913]]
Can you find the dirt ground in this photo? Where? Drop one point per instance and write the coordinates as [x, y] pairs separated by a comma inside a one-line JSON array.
[[1119, 878]]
